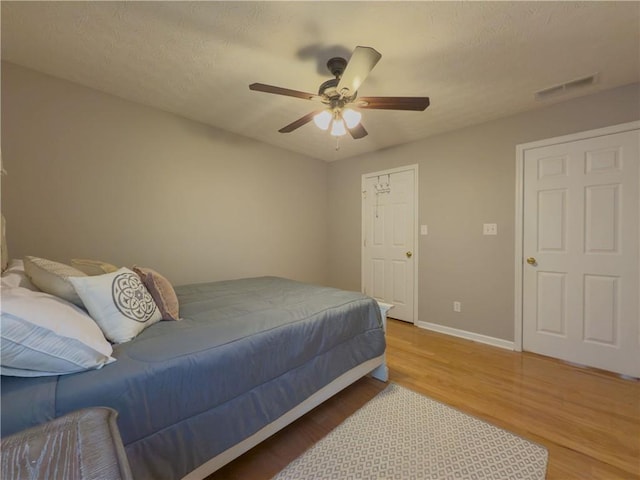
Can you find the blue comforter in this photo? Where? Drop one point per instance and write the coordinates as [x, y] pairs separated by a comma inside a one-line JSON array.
[[245, 353]]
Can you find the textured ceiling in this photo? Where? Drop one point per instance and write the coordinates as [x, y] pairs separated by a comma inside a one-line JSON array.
[[475, 60]]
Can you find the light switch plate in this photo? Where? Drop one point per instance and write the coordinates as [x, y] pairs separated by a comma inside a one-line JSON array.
[[490, 229], [424, 230]]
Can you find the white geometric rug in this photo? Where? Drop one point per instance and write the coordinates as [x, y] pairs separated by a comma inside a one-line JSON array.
[[403, 435]]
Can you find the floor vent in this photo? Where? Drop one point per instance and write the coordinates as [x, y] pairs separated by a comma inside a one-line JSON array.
[[566, 88]]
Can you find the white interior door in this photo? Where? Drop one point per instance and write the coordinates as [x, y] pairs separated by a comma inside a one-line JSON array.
[[389, 229], [581, 252]]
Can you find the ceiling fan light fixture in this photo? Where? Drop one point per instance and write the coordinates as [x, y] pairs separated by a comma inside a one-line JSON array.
[[351, 117], [323, 119], [337, 128]]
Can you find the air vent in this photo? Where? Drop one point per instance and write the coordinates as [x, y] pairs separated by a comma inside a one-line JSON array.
[[566, 88]]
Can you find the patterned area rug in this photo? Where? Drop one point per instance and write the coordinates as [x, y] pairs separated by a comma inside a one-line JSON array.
[[403, 435]]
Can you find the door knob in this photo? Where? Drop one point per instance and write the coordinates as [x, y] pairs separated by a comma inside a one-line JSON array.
[[531, 261], [409, 254]]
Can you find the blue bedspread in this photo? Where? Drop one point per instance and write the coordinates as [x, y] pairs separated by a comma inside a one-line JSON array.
[[245, 353]]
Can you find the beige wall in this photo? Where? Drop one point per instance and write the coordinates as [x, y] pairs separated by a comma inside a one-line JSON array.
[[466, 178], [91, 175]]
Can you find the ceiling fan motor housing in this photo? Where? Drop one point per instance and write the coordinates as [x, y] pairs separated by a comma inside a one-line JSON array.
[[328, 88]]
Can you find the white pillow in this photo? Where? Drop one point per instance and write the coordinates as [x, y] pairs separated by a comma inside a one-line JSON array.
[[44, 335], [53, 277], [119, 303], [15, 276]]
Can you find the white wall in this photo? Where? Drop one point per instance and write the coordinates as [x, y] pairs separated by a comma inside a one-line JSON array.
[[91, 175], [467, 178]]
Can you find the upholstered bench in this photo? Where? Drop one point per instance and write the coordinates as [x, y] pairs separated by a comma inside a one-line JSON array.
[[85, 444]]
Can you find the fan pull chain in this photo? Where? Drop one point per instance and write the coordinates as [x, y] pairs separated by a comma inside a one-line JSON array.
[[337, 143]]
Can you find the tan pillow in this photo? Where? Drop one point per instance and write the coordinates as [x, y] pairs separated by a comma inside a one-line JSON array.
[[92, 267], [53, 278], [162, 292]]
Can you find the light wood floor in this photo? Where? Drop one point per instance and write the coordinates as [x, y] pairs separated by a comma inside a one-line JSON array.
[[589, 420]]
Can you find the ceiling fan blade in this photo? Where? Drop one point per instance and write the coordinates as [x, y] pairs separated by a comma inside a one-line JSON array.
[[360, 65], [261, 87], [300, 122], [393, 103], [358, 131]]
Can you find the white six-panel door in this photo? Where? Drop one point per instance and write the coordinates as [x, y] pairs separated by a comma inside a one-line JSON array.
[[389, 257], [580, 266]]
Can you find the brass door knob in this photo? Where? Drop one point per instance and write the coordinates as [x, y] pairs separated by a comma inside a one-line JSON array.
[[531, 261], [409, 254]]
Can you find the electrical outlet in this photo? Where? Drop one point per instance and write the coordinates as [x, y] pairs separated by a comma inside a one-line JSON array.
[[457, 306], [490, 229], [424, 230]]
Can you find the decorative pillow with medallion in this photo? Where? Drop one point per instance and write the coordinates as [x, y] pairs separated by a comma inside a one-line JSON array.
[[119, 303]]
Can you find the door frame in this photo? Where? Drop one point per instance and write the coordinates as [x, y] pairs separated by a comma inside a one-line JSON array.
[[519, 220], [416, 232]]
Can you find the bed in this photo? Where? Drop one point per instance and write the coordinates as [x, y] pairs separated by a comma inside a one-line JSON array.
[[248, 357]]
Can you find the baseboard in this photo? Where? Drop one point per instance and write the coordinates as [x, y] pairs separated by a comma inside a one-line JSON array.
[[476, 337]]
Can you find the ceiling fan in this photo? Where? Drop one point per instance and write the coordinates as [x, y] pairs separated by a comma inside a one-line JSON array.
[[340, 95]]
